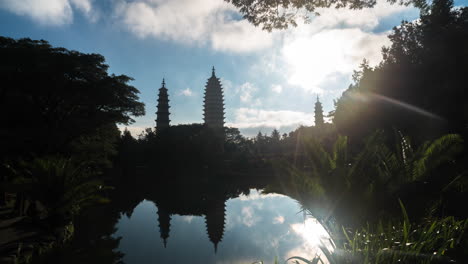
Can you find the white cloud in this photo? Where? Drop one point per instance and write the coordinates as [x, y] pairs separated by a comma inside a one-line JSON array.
[[313, 235], [256, 195], [323, 54], [278, 220], [311, 231], [186, 92], [240, 36], [55, 12], [248, 216], [276, 88], [135, 131], [187, 218], [192, 22], [50, 12], [367, 18], [86, 7], [246, 91], [226, 84], [253, 118]]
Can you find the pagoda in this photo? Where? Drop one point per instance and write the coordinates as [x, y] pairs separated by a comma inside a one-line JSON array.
[[213, 109], [162, 115], [318, 113]]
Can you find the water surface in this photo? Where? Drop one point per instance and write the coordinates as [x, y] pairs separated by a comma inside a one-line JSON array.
[[245, 229]]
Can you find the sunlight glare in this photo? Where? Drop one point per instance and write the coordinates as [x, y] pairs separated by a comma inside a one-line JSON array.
[[315, 59], [312, 232]]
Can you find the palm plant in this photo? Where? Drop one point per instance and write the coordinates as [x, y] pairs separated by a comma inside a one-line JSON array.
[[62, 187]]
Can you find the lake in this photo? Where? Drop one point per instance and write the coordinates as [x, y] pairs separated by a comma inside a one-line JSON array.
[[244, 229]]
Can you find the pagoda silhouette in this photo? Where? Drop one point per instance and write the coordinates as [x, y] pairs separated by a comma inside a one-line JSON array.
[[162, 120], [213, 107]]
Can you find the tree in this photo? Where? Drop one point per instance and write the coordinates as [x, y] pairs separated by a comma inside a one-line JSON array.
[[419, 87], [51, 97], [275, 136], [282, 14]]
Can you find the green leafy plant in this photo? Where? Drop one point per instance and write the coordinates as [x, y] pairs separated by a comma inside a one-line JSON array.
[[61, 186]]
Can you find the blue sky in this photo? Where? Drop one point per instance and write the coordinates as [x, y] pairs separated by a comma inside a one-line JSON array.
[[270, 80]]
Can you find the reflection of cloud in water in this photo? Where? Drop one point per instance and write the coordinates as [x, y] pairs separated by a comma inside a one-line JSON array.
[[313, 235], [248, 216], [265, 227], [187, 218], [255, 195], [258, 228], [312, 231], [278, 220]]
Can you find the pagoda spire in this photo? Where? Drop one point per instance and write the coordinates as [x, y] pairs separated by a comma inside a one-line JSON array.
[[318, 113], [162, 114]]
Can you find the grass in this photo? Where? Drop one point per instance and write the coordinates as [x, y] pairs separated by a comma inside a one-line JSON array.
[[440, 240]]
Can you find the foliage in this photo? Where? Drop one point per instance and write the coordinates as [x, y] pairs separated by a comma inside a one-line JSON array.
[[418, 88], [51, 97], [60, 111], [440, 240], [282, 14], [363, 186], [60, 185]]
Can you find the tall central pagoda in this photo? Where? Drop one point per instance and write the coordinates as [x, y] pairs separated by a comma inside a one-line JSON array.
[[213, 109]]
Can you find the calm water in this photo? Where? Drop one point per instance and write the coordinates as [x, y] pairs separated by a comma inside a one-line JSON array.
[[244, 229]]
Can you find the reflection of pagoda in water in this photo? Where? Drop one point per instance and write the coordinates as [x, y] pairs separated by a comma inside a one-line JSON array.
[[164, 224], [215, 221], [215, 216], [196, 191]]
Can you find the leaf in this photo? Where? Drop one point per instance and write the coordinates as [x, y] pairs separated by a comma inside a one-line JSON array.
[[299, 258]]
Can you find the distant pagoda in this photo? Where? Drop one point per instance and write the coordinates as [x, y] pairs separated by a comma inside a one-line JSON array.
[[318, 113], [213, 109], [162, 115]]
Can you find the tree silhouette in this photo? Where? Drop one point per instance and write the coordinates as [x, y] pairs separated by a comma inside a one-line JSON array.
[[282, 14], [419, 86], [50, 97]]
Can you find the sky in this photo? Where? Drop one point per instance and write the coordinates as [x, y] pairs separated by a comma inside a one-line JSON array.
[[270, 80]]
